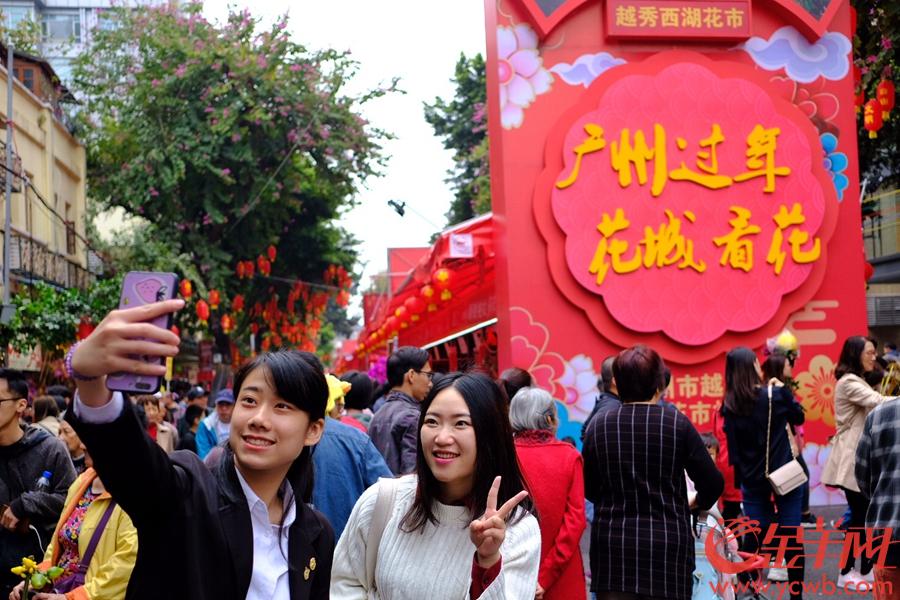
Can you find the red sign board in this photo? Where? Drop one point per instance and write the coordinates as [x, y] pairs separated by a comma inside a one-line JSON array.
[[652, 185], [703, 19]]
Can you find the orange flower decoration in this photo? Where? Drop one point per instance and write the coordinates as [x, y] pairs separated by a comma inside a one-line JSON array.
[[816, 391]]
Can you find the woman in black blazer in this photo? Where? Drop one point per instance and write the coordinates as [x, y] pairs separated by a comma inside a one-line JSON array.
[[242, 531]]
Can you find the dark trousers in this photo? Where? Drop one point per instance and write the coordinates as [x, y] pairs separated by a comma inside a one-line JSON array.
[[758, 506], [858, 507]]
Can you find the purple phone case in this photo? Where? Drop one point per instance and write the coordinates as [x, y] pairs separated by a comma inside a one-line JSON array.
[[139, 288]]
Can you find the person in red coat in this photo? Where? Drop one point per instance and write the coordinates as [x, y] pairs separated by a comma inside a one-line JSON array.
[[555, 474], [730, 501]]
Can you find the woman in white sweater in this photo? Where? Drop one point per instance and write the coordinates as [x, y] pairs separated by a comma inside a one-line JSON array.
[[441, 534]]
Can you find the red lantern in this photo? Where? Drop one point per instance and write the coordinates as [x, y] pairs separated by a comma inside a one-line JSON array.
[[885, 95], [272, 252], [392, 325], [427, 292], [214, 299], [266, 344], [441, 278], [402, 314], [174, 329], [186, 289], [265, 267], [254, 328], [240, 270], [202, 311], [238, 303], [872, 120], [227, 323], [85, 328], [415, 306], [249, 268], [343, 298]]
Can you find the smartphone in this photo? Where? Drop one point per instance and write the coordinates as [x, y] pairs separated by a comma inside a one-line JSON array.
[[139, 288]]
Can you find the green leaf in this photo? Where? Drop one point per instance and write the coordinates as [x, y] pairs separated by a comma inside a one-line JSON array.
[[39, 580], [54, 573]]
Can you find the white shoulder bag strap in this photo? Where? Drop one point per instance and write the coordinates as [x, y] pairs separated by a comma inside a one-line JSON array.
[[384, 504]]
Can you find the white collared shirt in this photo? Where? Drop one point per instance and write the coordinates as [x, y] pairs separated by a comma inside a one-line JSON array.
[[269, 580]]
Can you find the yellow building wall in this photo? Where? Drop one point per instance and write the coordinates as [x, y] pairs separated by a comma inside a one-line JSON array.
[[55, 163]]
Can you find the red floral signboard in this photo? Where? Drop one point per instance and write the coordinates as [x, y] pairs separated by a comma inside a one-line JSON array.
[[685, 201]]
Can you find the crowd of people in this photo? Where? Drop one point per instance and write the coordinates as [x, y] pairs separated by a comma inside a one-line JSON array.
[[296, 483]]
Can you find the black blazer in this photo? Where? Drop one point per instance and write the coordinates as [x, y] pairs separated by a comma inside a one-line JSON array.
[[195, 538]]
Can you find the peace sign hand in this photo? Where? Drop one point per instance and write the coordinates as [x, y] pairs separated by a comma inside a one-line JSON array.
[[488, 532]]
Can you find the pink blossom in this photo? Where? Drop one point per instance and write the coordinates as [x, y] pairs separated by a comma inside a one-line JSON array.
[[886, 43], [154, 192], [216, 66], [295, 68], [224, 113], [208, 109], [226, 171], [872, 58], [181, 70], [521, 73], [155, 83], [214, 122], [261, 62], [235, 137]]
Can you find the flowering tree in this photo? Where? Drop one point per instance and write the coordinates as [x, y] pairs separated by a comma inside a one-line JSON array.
[[227, 139]]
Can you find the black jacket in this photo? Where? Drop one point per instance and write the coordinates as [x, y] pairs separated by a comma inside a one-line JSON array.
[[747, 436], [604, 402], [195, 538], [21, 465]]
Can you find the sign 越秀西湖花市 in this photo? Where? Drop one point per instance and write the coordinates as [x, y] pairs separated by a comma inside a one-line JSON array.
[[690, 198], [697, 19]]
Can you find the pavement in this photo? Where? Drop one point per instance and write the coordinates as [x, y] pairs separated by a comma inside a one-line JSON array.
[[814, 575]]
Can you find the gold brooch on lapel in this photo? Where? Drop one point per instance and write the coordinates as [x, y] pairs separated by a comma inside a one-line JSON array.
[[312, 563], [306, 573]]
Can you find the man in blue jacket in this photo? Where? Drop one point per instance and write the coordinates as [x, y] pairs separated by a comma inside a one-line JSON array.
[[346, 463], [214, 429]]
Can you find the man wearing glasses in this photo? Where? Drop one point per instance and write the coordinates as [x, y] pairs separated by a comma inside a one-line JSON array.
[[394, 428], [27, 516]]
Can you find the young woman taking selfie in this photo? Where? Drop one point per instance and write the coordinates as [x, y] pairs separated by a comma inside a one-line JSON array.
[[241, 531]]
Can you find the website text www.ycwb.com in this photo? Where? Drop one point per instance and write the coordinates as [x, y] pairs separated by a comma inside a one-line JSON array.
[[783, 589]]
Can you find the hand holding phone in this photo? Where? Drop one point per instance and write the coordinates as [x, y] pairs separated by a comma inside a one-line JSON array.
[[140, 288]]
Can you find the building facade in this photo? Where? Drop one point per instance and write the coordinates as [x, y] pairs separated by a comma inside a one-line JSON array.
[[66, 26], [48, 201]]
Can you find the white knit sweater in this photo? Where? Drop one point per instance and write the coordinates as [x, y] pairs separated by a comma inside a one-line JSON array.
[[434, 564]]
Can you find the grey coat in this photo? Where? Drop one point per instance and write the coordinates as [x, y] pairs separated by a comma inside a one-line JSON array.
[[395, 431]]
